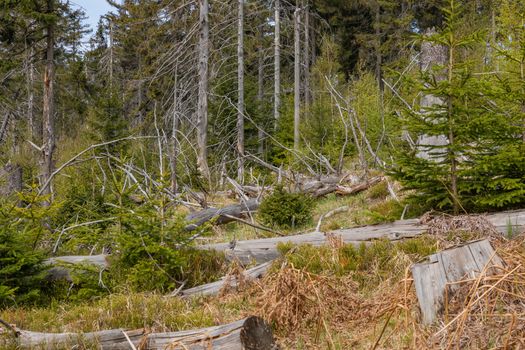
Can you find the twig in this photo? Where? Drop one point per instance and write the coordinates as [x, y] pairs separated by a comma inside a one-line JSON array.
[[253, 224], [329, 214], [129, 341], [10, 327]]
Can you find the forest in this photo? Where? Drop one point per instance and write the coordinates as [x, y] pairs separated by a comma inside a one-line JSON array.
[[262, 175]]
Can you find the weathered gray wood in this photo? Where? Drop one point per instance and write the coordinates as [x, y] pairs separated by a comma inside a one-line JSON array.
[[262, 250], [62, 272], [251, 333], [221, 215], [438, 274], [214, 288]]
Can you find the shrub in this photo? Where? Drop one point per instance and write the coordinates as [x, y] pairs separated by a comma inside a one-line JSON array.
[[286, 210], [153, 254]]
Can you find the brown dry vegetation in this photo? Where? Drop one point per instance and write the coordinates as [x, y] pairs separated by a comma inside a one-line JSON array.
[[334, 297]]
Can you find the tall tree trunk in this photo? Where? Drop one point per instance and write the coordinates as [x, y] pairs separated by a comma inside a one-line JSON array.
[[260, 89], [379, 55], [297, 77], [202, 107], [240, 87], [307, 98], [174, 133], [277, 62], [30, 95], [48, 147]]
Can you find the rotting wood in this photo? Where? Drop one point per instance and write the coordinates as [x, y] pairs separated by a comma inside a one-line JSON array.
[[437, 276], [265, 249], [251, 333], [214, 288]]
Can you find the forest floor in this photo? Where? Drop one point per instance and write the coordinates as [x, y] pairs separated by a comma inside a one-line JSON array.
[[330, 297]]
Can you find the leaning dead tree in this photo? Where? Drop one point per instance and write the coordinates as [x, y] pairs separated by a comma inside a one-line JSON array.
[[251, 333]]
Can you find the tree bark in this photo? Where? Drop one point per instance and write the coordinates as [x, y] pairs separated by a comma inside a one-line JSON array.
[[240, 87], [214, 288], [174, 133], [277, 63], [265, 249], [48, 147], [221, 214], [297, 77], [251, 333], [260, 90], [202, 107], [307, 97]]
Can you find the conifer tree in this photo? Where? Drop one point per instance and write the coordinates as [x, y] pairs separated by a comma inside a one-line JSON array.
[[445, 178]]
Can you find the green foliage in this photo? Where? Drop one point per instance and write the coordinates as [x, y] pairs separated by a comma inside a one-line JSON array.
[[286, 210], [369, 265], [21, 230], [153, 253], [478, 166]]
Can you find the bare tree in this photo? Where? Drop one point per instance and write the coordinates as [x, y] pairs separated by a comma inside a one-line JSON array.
[[260, 86], [48, 147], [240, 82], [277, 62], [307, 97], [202, 105], [297, 77]]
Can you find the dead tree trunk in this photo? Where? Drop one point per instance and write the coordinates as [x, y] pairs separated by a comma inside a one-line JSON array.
[[260, 89], [277, 62], [240, 87], [48, 147], [202, 105], [226, 282], [265, 249], [307, 97], [221, 215], [297, 78], [174, 134], [251, 333]]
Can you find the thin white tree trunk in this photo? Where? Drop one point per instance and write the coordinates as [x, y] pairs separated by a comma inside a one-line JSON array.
[[297, 78], [260, 90], [202, 107], [240, 101], [174, 133], [48, 147], [277, 62], [307, 98]]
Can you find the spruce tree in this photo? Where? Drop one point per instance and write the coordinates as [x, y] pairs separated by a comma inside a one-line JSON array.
[[451, 175]]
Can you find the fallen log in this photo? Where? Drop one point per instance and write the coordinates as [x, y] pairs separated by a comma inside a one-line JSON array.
[[315, 188], [439, 274], [214, 288], [59, 269], [221, 215], [251, 333], [265, 249]]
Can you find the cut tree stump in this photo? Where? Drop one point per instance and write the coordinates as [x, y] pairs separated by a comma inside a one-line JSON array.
[[251, 333], [214, 288], [265, 249], [437, 275]]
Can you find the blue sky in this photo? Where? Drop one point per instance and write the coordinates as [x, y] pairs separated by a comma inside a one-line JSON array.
[[94, 9]]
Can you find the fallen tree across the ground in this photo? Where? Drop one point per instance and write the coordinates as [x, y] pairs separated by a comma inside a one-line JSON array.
[[59, 269], [251, 333], [230, 281], [313, 187], [221, 215], [265, 249]]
